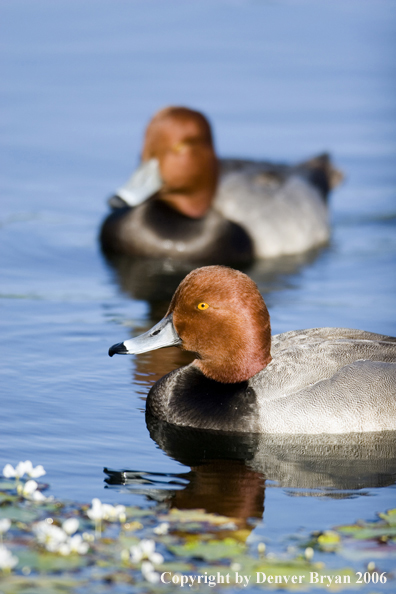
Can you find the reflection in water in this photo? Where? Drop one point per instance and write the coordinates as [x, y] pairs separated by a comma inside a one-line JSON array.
[[326, 463], [229, 470], [150, 367], [219, 481], [149, 280], [225, 487], [155, 281]]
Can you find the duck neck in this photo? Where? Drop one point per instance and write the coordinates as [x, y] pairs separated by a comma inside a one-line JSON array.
[[194, 206], [236, 365]]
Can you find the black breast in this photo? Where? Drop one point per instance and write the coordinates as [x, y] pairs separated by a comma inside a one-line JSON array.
[[186, 397], [155, 230]]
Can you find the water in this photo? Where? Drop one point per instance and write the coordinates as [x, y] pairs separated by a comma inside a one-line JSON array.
[[280, 80]]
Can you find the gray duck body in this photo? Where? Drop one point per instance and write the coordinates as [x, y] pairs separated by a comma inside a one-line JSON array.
[[322, 380]]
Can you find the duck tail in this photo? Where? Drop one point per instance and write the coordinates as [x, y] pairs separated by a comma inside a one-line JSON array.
[[322, 173]]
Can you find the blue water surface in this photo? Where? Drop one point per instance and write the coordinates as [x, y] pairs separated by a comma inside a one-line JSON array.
[[279, 80]]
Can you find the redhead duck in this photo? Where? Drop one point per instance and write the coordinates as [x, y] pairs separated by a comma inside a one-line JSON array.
[[322, 380], [186, 204]]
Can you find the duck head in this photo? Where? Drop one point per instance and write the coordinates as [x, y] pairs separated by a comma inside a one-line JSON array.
[[179, 163], [219, 314]]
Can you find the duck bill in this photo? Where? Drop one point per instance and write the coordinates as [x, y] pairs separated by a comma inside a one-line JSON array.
[[144, 182], [160, 336]]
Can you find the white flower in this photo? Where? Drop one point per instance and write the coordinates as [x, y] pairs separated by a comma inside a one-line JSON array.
[[261, 548], [113, 513], [308, 553], [95, 512], [162, 528], [149, 574], [74, 544], [70, 526], [7, 559], [105, 511], [146, 550], [77, 544], [38, 496], [34, 472], [9, 471], [63, 549], [49, 535], [57, 540], [29, 491], [371, 566], [5, 525], [23, 468]]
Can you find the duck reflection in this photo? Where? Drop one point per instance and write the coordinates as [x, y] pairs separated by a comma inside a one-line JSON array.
[[155, 280], [151, 366], [145, 279], [221, 480], [229, 470], [328, 464], [225, 487]]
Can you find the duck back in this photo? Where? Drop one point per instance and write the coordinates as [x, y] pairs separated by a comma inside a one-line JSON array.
[[283, 208]]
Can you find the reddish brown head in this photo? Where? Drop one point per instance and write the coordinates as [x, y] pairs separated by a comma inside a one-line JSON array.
[[181, 140], [220, 314]]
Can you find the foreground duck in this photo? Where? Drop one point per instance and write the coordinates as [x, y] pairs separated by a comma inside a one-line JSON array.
[[323, 380], [185, 203]]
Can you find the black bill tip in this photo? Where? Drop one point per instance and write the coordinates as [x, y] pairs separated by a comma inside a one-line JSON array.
[[118, 349]]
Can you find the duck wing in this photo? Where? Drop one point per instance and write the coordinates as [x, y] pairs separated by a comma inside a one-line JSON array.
[[283, 208], [328, 380]]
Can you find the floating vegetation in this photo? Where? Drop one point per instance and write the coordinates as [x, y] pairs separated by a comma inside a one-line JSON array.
[[49, 546]]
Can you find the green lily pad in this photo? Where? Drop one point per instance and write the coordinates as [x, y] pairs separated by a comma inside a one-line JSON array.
[[38, 585], [194, 515], [7, 498], [6, 485], [128, 541], [177, 567], [368, 532], [210, 551], [329, 540], [138, 512], [51, 507], [45, 562], [389, 517], [19, 514]]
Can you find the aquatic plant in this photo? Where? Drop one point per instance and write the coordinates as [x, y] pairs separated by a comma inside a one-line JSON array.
[[60, 539], [30, 490], [104, 511], [23, 468], [7, 559], [51, 548]]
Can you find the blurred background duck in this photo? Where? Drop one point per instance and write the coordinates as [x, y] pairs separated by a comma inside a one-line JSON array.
[[185, 203]]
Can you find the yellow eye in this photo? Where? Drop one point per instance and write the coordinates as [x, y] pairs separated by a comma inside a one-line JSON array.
[[179, 147], [202, 306]]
